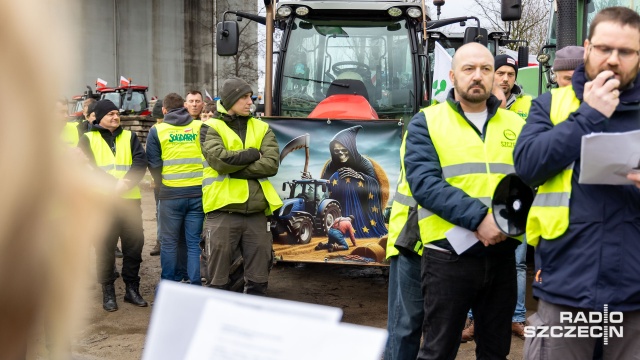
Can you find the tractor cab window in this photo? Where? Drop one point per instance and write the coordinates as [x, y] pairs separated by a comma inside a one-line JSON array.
[[376, 54], [113, 96], [137, 103]]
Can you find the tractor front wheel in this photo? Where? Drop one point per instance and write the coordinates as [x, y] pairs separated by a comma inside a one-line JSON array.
[[304, 232]]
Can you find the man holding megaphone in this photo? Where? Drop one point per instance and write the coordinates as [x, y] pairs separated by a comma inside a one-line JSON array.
[[456, 152], [587, 237]]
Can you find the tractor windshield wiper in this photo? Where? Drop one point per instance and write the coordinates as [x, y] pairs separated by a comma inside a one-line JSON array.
[[318, 81]]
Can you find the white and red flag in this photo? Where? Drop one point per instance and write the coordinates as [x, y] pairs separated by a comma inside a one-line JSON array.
[[124, 82], [100, 84]]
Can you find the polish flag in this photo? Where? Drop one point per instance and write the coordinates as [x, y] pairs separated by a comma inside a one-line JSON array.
[[124, 82], [206, 93], [100, 84]]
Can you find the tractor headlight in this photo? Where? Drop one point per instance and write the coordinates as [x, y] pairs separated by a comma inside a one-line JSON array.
[[284, 11], [302, 11], [414, 12], [394, 11]]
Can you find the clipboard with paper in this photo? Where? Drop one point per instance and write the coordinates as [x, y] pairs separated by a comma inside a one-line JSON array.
[[607, 158]]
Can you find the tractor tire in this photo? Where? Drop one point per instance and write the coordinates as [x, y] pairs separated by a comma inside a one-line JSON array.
[[329, 215], [304, 233]]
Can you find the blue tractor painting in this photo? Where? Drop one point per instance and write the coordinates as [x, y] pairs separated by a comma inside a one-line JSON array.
[[308, 211]]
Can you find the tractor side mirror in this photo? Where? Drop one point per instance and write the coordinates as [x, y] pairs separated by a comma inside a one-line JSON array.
[[511, 10], [476, 34], [324, 188], [523, 56], [129, 94], [227, 38], [284, 186]]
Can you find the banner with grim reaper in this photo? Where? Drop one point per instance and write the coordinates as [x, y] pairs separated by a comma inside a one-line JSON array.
[[330, 171]]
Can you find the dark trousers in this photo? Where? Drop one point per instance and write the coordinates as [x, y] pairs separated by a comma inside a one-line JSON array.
[[224, 233], [452, 284], [126, 224]]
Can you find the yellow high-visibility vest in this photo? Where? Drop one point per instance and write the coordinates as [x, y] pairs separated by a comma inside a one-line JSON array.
[[181, 155], [70, 134], [115, 165], [549, 214], [402, 204], [467, 162], [521, 106], [219, 190]]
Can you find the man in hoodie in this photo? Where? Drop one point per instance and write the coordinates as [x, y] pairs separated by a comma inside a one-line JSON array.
[[119, 154], [175, 162], [586, 235], [505, 77], [241, 152]]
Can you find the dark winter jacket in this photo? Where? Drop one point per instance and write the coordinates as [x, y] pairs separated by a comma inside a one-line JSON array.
[[250, 164], [139, 164], [177, 117], [597, 260], [433, 192]]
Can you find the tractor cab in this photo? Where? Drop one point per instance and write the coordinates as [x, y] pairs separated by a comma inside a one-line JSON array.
[[131, 100]]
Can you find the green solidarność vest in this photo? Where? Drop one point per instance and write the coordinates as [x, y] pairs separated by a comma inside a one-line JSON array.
[[182, 163], [219, 190], [549, 214], [70, 134], [115, 165], [468, 163], [403, 204]]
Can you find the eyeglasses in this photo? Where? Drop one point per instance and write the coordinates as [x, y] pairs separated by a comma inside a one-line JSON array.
[[606, 51]]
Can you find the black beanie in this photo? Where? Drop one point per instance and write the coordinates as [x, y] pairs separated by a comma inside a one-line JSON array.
[[156, 113], [103, 107], [232, 90], [502, 60]]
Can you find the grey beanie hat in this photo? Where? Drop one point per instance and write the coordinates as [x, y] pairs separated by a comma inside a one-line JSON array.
[[232, 90], [156, 113], [568, 58]]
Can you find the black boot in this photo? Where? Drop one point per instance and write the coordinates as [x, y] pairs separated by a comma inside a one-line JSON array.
[[109, 297], [156, 249], [253, 288], [132, 295]]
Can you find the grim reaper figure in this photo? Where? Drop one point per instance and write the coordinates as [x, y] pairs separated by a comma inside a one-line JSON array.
[[354, 181]]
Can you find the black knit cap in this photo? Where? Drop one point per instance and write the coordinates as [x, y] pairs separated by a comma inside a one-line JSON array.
[[103, 107], [502, 60], [156, 113], [232, 90]]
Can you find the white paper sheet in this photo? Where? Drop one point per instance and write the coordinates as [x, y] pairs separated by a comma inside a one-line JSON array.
[[179, 307], [233, 331], [607, 158], [461, 239]]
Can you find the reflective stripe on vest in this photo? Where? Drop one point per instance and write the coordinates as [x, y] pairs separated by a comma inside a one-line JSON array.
[[70, 134], [402, 203], [219, 190], [115, 165], [521, 106], [181, 154], [468, 163], [549, 214]]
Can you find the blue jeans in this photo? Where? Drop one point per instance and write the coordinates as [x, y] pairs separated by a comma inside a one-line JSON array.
[[521, 273], [405, 312], [336, 237], [181, 267], [453, 285], [180, 216]]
